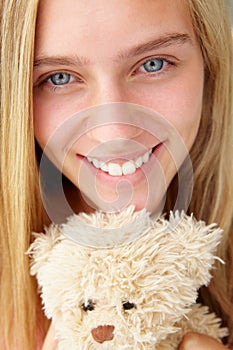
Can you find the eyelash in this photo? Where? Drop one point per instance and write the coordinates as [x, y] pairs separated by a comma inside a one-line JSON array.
[[165, 65]]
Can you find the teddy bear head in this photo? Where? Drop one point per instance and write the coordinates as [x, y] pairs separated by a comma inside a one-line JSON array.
[[128, 296]]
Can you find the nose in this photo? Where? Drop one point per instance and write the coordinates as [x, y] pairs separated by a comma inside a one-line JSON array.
[[114, 131], [112, 118], [103, 333], [108, 87]]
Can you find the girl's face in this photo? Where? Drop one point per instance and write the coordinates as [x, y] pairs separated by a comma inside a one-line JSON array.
[[89, 53]]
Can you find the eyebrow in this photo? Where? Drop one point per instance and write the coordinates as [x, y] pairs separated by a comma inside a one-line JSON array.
[[158, 43], [72, 60]]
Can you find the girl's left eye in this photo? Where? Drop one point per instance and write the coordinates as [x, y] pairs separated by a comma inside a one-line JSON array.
[[153, 65]]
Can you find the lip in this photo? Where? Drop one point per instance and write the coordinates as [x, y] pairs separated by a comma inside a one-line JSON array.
[[117, 158], [124, 154], [132, 178]]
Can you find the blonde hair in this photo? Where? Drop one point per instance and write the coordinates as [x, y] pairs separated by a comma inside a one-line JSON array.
[[20, 208], [21, 205], [213, 148], [212, 151]]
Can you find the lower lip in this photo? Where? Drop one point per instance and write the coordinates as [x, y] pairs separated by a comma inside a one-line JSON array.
[[138, 175]]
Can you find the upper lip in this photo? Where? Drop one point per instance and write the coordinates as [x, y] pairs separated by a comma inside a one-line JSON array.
[[122, 155]]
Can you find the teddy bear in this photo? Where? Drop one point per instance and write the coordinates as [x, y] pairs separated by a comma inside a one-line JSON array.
[[126, 280]]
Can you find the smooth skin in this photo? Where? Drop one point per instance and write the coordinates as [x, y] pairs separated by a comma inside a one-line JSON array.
[[50, 343], [194, 341], [81, 63]]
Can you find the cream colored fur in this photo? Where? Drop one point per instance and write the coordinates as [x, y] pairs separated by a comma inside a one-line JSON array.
[[159, 271]]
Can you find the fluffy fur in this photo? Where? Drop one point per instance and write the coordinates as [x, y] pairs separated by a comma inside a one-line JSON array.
[[137, 295]]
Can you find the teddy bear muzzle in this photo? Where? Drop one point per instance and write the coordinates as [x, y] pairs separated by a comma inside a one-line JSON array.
[[103, 333]]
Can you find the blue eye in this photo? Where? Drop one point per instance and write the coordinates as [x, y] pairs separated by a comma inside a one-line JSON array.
[[154, 65], [60, 78]]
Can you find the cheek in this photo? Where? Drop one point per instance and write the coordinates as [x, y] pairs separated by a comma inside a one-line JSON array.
[[49, 114], [186, 114], [42, 128], [179, 102], [43, 120], [186, 118]]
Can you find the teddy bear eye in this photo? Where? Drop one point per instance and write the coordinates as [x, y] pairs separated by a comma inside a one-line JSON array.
[[128, 305], [88, 306]]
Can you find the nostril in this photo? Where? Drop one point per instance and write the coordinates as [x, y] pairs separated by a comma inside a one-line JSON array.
[[103, 333]]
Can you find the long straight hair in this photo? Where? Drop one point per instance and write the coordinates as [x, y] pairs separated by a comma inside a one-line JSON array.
[[213, 149], [21, 211], [20, 200]]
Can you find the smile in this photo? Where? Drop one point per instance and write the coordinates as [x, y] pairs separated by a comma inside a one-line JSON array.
[[115, 169]]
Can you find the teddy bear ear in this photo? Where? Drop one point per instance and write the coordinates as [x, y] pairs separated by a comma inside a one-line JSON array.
[[195, 244], [41, 247], [181, 245]]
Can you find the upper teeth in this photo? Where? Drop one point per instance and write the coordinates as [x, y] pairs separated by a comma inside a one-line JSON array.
[[115, 169]]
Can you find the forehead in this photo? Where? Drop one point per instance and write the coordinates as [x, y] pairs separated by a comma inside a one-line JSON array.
[[90, 27]]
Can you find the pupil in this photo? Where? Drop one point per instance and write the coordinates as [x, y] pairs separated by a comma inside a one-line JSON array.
[[60, 79], [153, 65]]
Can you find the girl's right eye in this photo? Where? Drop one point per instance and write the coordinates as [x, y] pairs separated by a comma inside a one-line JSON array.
[[60, 78]]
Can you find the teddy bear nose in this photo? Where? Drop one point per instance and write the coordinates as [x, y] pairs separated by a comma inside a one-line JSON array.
[[103, 333]]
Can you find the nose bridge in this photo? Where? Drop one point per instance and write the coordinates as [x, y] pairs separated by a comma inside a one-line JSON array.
[[114, 118], [116, 121], [108, 87]]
